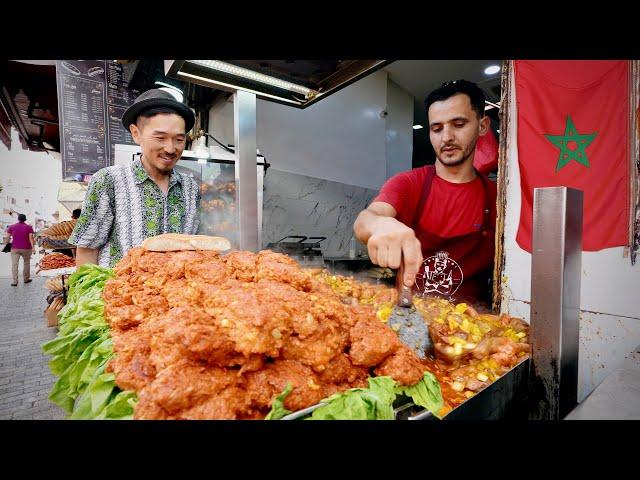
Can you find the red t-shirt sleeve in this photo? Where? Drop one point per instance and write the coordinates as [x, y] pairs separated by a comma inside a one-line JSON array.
[[400, 191]]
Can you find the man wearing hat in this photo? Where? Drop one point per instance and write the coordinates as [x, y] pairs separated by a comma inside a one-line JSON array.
[[125, 204]]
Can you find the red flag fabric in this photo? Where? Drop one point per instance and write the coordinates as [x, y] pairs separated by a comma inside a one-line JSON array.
[[573, 131], [486, 158]]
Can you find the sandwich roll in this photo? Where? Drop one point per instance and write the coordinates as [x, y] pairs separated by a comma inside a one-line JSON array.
[[171, 242]]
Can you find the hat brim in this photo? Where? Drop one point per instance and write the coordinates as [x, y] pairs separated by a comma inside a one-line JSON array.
[[131, 114]]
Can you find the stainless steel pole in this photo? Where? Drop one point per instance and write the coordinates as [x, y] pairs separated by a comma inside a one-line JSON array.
[[245, 171], [556, 263]]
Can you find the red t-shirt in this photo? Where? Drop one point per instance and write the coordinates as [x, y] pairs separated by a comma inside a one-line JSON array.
[[451, 210], [20, 236]]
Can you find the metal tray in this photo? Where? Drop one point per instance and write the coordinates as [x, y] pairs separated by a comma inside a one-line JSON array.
[[506, 398]]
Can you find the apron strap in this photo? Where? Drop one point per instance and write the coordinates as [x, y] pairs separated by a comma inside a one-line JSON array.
[[424, 195]]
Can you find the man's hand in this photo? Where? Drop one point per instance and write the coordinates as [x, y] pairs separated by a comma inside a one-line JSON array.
[[86, 255], [389, 241]]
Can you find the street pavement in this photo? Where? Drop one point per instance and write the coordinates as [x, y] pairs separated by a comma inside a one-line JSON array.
[[25, 379]]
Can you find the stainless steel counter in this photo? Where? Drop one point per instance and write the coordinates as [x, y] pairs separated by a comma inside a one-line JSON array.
[[617, 397]]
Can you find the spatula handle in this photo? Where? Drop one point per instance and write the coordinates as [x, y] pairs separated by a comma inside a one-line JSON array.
[[405, 297]]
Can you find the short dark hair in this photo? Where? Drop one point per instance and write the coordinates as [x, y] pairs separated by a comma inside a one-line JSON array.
[[22, 217], [150, 112], [451, 88], [76, 213]]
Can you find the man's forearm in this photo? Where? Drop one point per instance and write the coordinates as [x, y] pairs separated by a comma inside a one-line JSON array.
[[363, 226], [86, 255]]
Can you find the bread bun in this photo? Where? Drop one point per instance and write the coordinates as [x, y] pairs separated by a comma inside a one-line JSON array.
[[171, 242]]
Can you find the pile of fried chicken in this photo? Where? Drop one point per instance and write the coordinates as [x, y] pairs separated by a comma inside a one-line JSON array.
[[203, 336]]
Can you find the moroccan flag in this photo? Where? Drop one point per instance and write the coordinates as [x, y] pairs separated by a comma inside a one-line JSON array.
[[573, 131]]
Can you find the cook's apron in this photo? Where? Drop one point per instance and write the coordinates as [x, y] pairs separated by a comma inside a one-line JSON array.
[[457, 267]]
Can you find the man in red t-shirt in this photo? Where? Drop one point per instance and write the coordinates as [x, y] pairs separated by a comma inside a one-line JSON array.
[[439, 220], [22, 245]]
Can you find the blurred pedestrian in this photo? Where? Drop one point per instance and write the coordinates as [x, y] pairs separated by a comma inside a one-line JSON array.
[[22, 246]]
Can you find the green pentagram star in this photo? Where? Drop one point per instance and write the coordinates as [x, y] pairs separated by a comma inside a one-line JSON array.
[[571, 135]]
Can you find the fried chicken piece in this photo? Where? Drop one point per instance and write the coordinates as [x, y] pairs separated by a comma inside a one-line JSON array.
[[131, 364], [117, 292], [186, 389], [150, 261], [403, 366], [124, 317], [212, 271], [242, 264], [151, 302], [248, 316], [319, 348], [230, 404], [281, 268], [263, 385], [189, 332], [182, 293], [371, 342], [340, 370]]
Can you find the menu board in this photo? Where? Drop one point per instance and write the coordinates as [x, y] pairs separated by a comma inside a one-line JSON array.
[[92, 96], [119, 97]]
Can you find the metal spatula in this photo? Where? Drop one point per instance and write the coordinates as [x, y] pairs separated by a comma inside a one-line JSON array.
[[407, 322]]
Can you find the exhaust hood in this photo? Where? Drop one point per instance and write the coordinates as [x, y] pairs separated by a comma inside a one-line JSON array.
[[297, 83]]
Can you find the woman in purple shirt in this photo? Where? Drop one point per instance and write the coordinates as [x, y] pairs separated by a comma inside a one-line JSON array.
[[22, 245]]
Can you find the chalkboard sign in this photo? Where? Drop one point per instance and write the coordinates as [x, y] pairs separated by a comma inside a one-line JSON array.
[[92, 96]]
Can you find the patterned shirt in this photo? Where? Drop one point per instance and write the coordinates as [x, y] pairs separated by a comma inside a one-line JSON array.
[[124, 206]]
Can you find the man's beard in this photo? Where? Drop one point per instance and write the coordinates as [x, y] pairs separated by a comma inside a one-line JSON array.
[[464, 158]]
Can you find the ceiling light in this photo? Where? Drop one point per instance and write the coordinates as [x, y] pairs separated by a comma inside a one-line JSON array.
[[288, 86], [491, 69], [417, 127], [252, 75]]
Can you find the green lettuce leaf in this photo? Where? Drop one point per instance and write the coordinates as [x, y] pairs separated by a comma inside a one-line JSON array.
[[120, 407], [372, 403], [83, 343], [96, 396], [426, 393], [277, 407]]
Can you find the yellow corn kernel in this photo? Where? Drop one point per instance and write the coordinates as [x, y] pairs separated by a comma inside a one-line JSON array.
[[384, 313], [457, 386], [469, 394], [453, 340], [224, 322], [470, 346], [452, 323], [465, 326], [457, 349], [482, 377], [521, 335], [461, 308], [476, 338]]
